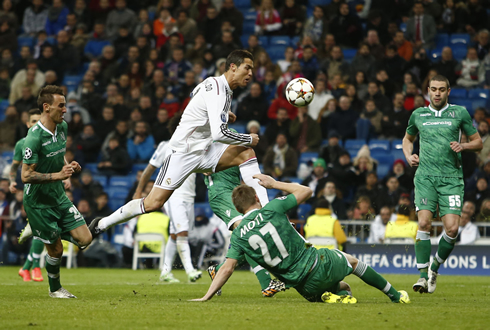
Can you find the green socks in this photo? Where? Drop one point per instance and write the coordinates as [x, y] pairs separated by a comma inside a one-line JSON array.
[[422, 252], [446, 246], [28, 263], [32, 261], [372, 278], [53, 269], [262, 274]]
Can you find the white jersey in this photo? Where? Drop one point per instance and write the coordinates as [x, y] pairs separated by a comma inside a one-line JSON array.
[[187, 191], [205, 119]]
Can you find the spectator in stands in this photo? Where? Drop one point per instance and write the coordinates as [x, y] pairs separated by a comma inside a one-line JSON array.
[[322, 95], [56, 19], [176, 68], [480, 193], [316, 25], [402, 227], [8, 38], [335, 64], [29, 82], [284, 64], [370, 188], [89, 143], [395, 121], [262, 64], [376, 49], [419, 65], [115, 159], [404, 47], [120, 16], [360, 83], [331, 152], [293, 16], [483, 129], [268, 20], [106, 124], [319, 173], [269, 87], [356, 103], [35, 18], [280, 160], [391, 193], [305, 132], [82, 14], [309, 64], [470, 208], [378, 227], [421, 28], [160, 126], [393, 64], [346, 27], [48, 61], [225, 46], [478, 17], [66, 54], [26, 102], [403, 174], [281, 124], [324, 224], [98, 38], [343, 172], [254, 47], [325, 49], [447, 65], [229, 12], [7, 12], [253, 127], [4, 83], [141, 146], [186, 25], [102, 208], [89, 188], [369, 122], [337, 205], [211, 25], [381, 101], [468, 231], [363, 61], [482, 45], [91, 100], [342, 120], [253, 106], [364, 163], [471, 70], [123, 40], [7, 128], [121, 133], [362, 209]]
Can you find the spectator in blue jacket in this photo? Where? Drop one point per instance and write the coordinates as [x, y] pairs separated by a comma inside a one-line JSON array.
[[309, 63], [175, 69], [142, 144], [56, 20], [343, 120]]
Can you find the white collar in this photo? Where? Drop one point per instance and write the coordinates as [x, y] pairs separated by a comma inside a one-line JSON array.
[[47, 130], [246, 214], [438, 113], [227, 86]]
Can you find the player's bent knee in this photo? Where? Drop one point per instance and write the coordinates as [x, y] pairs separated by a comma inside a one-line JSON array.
[[452, 231]]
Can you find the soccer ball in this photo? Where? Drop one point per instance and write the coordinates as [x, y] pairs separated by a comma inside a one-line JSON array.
[[300, 92]]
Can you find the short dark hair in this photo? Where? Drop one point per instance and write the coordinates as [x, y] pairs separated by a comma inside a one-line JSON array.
[[440, 77], [243, 197], [46, 95], [323, 204], [403, 209], [34, 112], [237, 57]]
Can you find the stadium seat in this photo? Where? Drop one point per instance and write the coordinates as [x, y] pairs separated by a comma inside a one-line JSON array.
[[92, 167], [102, 179], [122, 181], [72, 82], [305, 157], [382, 170], [458, 92], [435, 55], [279, 40], [403, 27], [295, 41], [94, 47], [200, 208], [313, 3], [248, 27], [459, 39], [303, 210], [138, 167], [148, 237], [249, 15], [379, 145], [293, 179], [463, 102], [459, 53], [398, 154], [442, 40], [482, 103], [352, 153], [354, 144], [117, 192], [52, 41], [115, 203], [272, 193], [25, 41], [396, 144], [244, 40], [242, 129], [243, 4], [383, 157], [264, 41], [478, 93], [349, 54], [3, 105], [276, 52]]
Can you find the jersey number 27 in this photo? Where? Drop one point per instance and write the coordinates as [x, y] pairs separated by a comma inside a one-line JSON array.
[[257, 242]]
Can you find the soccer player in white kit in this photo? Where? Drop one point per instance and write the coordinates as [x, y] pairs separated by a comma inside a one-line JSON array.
[[180, 209], [201, 143]]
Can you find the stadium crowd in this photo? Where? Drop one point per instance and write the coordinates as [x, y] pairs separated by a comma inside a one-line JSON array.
[[128, 67]]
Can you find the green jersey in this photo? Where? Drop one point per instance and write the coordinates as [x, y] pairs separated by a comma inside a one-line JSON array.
[[18, 150], [437, 129], [47, 150], [222, 182], [268, 238]]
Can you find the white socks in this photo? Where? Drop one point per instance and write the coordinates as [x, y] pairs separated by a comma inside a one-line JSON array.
[[123, 214], [248, 169], [185, 253], [169, 258]]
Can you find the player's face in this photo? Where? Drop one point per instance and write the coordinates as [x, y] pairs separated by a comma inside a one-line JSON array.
[[33, 119], [438, 93], [58, 109], [243, 74]]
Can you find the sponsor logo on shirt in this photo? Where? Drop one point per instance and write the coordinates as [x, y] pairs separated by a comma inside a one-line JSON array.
[[28, 153], [46, 143], [208, 87], [228, 212], [54, 153], [435, 123], [425, 114]]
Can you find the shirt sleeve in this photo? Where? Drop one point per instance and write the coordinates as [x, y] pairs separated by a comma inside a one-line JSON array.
[[159, 155], [412, 128], [467, 124], [234, 252], [282, 204], [218, 103], [31, 149], [18, 151]]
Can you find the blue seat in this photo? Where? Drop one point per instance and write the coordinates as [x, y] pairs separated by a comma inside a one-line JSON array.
[[248, 27], [352, 153], [200, 208], [239, 128], [313, 3], [244, 40], [244, 4], [382, 170], [7, 156], [396, 144], [138, 167], [250, 15], [151, 15], [94, 47], [122, 181], [442, 40], [463, 102], [459, 39], [458, 92], [383, 157], [52, 41], [264, 41], [293, 179], [354, 144], [276, 52], [478, 93], [349, 54], [117, 192], [482, 103], [379, 145], [25, 41], [435, 55], [403, 27], [92, 167], [305, 157], [102, 179], [72, 82], [279, 40], [398, 154], [4, 104], [303, 210], [115, 203], [272, 193], [295, 41], [459, 53]]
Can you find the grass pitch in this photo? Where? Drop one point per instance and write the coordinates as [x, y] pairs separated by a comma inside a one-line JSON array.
[[126, 299]]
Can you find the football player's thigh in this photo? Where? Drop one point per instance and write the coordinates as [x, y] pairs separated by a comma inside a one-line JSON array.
[[426, 195], [178, 215], [44, 224], [451, 191]]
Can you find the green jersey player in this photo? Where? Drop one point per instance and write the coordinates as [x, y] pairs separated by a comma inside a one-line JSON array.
[[51, 215], [220, 187], [439, 177], [265, 235]]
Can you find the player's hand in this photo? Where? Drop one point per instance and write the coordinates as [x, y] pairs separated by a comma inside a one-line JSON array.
[[255, 139], [67, 184], [76, 167], [231, 117], [12, 188], [66, 172], [456, 146], [208, 173], [265, 180], [413, 160]]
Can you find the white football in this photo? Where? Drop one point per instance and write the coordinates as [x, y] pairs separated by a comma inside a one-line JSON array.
[[300, 92]]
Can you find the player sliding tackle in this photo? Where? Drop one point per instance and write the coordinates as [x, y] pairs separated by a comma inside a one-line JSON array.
[[267, 237], [201, 143]]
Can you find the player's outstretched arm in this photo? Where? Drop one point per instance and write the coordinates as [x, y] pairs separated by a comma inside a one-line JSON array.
[[29, 174], [145, 177], [475, 144], [302, 193], [13, 176], [223, 275], [412, 159]]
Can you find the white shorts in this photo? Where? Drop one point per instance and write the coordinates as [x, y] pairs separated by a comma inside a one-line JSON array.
[[178, 166], [181, 214]]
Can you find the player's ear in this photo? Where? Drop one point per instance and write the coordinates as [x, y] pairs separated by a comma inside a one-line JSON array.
[[46, 107]]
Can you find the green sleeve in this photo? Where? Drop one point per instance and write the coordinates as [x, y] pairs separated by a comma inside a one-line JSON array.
[[234, 252], [412, 128], [31, 149], [467, 124], [18, 150], [282, 204]]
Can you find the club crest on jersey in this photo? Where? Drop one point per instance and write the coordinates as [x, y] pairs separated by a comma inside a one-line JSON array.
[[168, 181], [423, 201], [223, 117], [451, 114], [208, 87], [28, 153], [62, 136], [228, 212]]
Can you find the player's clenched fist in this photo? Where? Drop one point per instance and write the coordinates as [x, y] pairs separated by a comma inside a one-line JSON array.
[[457, 147], [255, 139], [66, 172], [413, 160], [76, 167]]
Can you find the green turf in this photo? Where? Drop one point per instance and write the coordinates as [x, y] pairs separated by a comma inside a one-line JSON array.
[[117, 298]]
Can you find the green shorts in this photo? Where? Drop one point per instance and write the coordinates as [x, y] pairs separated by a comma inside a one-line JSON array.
[[446, 192], [223, 207], [331, 268], [48, 224]]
